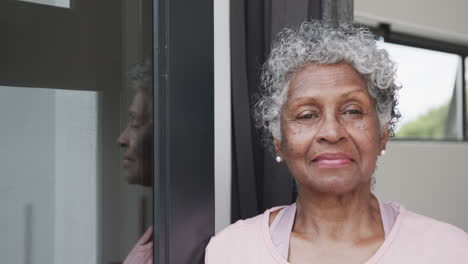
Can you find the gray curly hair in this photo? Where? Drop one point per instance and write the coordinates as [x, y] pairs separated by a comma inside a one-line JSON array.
[[140, 79], [325, 43]]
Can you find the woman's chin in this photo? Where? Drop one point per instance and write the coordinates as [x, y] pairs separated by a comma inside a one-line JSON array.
[[334, 185]]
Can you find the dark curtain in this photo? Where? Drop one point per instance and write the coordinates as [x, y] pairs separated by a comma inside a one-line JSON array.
[[258, 182]]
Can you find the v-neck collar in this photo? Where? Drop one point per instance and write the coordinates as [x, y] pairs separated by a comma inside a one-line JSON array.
[[372, 260]]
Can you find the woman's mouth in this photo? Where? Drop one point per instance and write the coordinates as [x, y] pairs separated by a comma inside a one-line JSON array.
[[332, 160], [126, 162]]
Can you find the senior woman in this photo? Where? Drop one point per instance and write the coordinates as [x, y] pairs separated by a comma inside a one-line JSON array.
[[329, 103]]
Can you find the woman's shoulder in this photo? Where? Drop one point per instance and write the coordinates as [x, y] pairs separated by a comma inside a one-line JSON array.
[[433, 226], [432, 234], [243, 239], [243, 229]]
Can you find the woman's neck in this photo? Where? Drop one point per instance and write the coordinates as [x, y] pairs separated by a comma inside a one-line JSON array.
[[351, 217]]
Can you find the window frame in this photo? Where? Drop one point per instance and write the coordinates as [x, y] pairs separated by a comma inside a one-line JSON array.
[[383, 30], [183, 172]]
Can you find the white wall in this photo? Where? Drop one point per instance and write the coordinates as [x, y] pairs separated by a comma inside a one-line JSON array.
[[75, 188], [48, 193], [430, 178], [27, 175]]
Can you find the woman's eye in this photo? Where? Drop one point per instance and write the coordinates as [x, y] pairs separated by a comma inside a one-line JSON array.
[[308, 116], [353, 112]]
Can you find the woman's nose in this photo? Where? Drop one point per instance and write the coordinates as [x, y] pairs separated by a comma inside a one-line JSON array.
[[331, 130], [122, 140]]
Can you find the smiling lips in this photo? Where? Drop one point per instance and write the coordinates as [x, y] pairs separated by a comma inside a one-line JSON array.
[[332, 160], [127, 161]]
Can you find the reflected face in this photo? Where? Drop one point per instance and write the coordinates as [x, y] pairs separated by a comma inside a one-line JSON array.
[[135, 142], [331, 135]]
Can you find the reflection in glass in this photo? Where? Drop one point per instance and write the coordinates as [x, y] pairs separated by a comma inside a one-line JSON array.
[[136, 138], [428, 100], [128, 203], [66, 196], [136, 144], [48, 193]]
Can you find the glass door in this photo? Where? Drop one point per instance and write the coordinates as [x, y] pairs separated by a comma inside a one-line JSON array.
[[107, 131], [76, 97]]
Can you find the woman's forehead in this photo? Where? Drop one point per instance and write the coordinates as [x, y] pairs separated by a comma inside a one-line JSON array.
[[326, 79]]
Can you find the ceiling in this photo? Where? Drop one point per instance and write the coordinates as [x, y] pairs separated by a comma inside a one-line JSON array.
[[445, 20]]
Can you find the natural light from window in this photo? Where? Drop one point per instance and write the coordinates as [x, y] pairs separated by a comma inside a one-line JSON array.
[[428, 79]]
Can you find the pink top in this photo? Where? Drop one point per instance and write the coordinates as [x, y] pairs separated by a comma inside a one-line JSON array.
[[142, 252], [281, 228], [412, 239]]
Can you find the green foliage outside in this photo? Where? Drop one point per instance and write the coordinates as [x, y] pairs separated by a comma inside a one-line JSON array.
[[430, 125]]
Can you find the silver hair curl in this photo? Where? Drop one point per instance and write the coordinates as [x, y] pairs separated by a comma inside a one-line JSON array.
[[325, 43], [140, 79]]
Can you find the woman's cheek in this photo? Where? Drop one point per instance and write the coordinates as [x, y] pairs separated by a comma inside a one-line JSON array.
[[364, 127], [360, 124], [299, 138], [366, 135]]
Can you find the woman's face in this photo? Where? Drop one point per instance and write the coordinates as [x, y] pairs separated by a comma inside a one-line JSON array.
[[135, 142], [331, 135]]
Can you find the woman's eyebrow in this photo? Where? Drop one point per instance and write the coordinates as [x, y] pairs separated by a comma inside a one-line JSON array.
[[355, 91], [304, 100], [313, 99]]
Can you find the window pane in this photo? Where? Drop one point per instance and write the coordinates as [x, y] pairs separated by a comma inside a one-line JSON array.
[[428, 98]]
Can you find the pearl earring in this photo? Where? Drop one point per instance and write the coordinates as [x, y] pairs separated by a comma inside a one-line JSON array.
[[278, 159], [382, 152]]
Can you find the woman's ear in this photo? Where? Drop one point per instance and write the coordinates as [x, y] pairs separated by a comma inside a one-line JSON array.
[[277, 145], [383, 137]]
